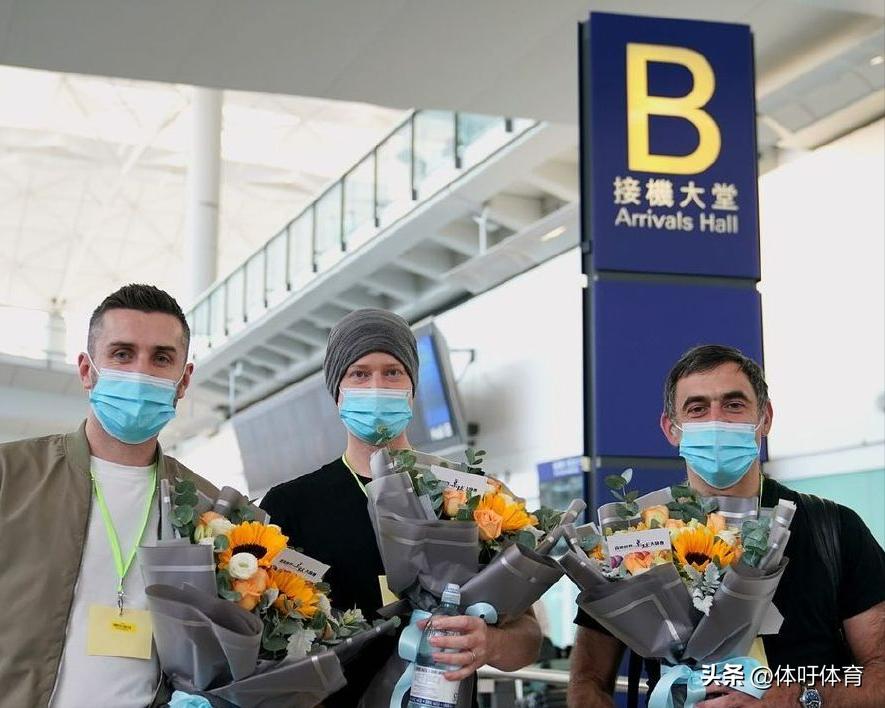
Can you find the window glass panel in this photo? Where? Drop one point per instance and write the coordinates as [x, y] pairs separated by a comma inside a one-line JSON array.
[[328, 216], [217, 316], [434, 144], [301, 248], [276, 268], [255, 286], [235, 301], [359, 199], [394, 169]]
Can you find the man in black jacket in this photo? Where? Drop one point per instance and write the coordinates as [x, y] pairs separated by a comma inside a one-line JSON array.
[[832, 595]]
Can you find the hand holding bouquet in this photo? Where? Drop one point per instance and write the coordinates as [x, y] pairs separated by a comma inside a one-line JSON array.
[[231, 622], [674, 577]]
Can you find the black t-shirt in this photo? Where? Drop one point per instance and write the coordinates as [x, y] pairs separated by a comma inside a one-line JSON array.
[[325, 515], [810, 635]]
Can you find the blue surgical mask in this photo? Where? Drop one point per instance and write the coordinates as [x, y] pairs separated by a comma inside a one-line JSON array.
[[132, 407], [375, 414], [720, 453]]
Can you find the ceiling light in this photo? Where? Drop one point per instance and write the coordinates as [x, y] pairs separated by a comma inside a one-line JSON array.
[[552, 234], [876, 60]]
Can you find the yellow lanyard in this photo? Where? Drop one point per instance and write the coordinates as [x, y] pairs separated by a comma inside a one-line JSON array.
[[355, 476], [122, 566]]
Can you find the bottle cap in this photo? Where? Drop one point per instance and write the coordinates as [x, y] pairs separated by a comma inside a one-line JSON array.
[[452, 594]]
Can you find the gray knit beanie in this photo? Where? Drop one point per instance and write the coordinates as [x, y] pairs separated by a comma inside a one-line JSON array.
[[363, 332]]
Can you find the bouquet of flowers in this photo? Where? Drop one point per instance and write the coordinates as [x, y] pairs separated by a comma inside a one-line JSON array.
[[437, 522], [681, 578], [235, 619]]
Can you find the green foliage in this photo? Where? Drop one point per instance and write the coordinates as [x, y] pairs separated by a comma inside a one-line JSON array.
[[225, 587], [221, 543], [754, 538], [184, 499], [687, 504], [548, 519], [627, 507], [475, 459]]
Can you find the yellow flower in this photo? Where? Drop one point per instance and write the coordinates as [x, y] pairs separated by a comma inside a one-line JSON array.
[[597, 552], [263, 542], [698, 546], [296, 593], [513, 515]]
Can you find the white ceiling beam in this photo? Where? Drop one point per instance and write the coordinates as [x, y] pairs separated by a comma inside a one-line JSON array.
[[557, 178], [358, 298], [460, 236], [429, 261], [513, 211], [269, 357], [395, 282], [308, 333], [285, 345]]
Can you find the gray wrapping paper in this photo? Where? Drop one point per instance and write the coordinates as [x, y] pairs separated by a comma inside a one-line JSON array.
[[202, 641], [514, 580], [429, 553], [211, 645], [177, 563], [739, 607], [651, 613], [298, 683]]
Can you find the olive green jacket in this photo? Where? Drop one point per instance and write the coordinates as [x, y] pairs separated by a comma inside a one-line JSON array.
[[45, 501]]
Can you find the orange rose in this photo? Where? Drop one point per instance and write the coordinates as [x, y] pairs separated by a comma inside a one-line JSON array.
[[638, 562], [251, 589], [208, 516], [658, 513], [452, 501], [674, 524], [489, 523], [715, 522]]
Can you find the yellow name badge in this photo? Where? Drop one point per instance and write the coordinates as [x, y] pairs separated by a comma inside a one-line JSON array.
[[387, 595], [113, 634]]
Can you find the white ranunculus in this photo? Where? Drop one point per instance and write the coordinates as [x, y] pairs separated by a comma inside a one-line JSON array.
[[220, 527], [300, 642], [324, 605], [242, 566]]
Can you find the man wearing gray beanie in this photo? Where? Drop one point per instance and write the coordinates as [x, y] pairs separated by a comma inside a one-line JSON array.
[[371, 371]]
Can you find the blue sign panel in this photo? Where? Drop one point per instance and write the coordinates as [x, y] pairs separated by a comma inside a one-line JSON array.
[[555, 469], [641, 330], [672, 146]]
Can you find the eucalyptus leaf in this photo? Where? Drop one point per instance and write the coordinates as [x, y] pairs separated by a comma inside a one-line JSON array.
[[615, 481], [183, 514], [221, 543]]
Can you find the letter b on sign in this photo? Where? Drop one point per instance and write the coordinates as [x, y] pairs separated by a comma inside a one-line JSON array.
[[640, 105]]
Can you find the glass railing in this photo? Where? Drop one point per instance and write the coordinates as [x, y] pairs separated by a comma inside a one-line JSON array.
[[425, 153]]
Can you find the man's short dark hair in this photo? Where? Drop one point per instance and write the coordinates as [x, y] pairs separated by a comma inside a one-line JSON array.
[[705, 358], [144, 298]]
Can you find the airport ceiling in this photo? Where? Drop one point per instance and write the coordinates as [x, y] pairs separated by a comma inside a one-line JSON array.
[[501, 57], [92, 169]]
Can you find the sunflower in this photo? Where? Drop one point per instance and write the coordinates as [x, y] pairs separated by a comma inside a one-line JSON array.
[[698, 546], [262, 541], [513, 515], [296, 593]]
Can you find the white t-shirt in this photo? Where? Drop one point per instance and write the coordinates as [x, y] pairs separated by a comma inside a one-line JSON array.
[[87, 681]]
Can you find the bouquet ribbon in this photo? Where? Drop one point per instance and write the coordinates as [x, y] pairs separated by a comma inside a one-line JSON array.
[[662, 695], [410, 639]]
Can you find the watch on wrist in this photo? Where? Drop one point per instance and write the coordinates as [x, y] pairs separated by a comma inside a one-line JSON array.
[[810, 697]]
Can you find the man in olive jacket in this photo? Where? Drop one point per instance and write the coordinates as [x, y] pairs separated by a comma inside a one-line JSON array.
[[74, 507]]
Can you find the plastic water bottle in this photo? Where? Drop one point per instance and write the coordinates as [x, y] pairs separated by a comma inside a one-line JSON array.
[[430, 689]]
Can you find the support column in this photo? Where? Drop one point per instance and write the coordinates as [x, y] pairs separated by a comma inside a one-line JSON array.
[[203, 186]]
